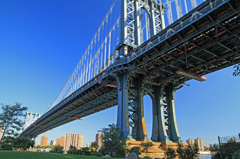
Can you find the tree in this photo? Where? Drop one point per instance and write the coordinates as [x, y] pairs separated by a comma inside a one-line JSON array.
[[57, 149], [237, 70], [94, 145], [6, 143], [170, 153], [236, 155], [187, 152], [146, 145], [135, 149], [191, 152], [180, 151], [9, 119], [10, 142], [214, 148], [113, 141], [23, 143]]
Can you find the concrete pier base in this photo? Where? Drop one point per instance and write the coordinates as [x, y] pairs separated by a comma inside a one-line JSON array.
[[157, 151]]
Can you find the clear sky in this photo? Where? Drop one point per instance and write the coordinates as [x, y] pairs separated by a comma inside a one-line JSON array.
[[41, 43]]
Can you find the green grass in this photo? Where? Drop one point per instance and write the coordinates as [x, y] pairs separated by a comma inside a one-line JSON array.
[[42, 155]]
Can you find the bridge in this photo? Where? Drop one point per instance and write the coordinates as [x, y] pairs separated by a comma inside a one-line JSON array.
[[139, 49]]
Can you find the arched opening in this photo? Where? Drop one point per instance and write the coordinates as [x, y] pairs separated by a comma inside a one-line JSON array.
[[144, 23], [147, 101]]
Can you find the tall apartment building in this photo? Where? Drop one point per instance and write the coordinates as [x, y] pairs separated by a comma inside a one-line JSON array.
[[52, 143], [43, 141], [198, 142], [73, 140], [60, 141], [99, 140]]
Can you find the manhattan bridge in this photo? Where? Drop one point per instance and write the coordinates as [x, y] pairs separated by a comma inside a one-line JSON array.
[[146, 47]]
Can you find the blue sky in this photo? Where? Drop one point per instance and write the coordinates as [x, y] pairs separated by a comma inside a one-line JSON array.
[[41, 43]]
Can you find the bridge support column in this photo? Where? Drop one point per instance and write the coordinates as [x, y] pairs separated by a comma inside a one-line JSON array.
[[122, 115], [164, 118], [140, 120], [174, 135]]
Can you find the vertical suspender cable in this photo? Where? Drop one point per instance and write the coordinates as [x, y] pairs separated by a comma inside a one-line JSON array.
[[179, 8], [169, 12], [90, 62], [105, 54], [185, 2], [109, 49], [194, 3], [146, 24]]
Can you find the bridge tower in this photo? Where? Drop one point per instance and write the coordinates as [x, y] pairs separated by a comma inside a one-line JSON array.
[[130, 21], [132, 87]]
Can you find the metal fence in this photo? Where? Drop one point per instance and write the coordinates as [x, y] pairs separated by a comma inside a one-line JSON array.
[[228, 145]]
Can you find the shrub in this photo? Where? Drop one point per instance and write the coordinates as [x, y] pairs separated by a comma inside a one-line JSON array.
[[57, 149], [236, 155]]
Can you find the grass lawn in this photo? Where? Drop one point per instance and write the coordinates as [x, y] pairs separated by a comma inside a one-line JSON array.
[[42, 155]]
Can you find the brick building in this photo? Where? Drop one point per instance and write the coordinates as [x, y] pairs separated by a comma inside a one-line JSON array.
[[43, 141], [198, 142], [74, 140]]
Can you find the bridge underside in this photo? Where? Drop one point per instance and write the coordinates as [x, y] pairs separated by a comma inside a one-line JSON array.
[[201, 42], [202, 46], [91, 101]]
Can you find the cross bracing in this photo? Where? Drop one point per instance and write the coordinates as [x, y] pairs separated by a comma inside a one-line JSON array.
[[200, 42]]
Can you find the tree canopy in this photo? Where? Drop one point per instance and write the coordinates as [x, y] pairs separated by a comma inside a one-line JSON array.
[[9, 118], [113, 141]]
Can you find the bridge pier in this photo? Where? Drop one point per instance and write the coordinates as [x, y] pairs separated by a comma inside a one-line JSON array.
[[131, 110], [164, 118], [139, 108], [122, 115]]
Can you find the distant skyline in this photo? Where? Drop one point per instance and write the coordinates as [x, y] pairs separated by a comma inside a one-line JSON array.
[[41, 43]]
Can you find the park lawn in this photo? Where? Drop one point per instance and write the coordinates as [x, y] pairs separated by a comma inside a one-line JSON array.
[[42, 155]]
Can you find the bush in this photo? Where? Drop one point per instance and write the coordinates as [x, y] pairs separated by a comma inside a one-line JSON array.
[[135, 149], [217, 155], [95, 153], [170, 153], [86, 151], [228, 150], [236, 155], [57, 149]]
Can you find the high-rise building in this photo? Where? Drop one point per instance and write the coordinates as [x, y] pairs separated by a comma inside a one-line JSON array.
[[73, 140], [190, 142], [99, 140], [43, 141], [52, 142], [198, 142], [60, 141]]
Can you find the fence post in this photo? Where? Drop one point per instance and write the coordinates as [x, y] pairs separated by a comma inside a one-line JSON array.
[[220, 147]]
